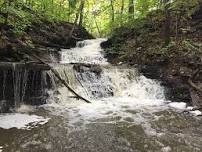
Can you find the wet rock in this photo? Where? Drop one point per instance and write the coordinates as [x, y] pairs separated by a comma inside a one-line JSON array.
[[22, 83], [151, 71], [90, 76], [178, 94], [4, 106], [196, 97], [176, 89], [81, 67], [185, 72], [106, 44]]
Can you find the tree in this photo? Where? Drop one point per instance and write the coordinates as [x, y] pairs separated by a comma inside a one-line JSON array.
[[167, 24], [112, 10], [8, 5], [122, 6], [81, 12], [131, 9]]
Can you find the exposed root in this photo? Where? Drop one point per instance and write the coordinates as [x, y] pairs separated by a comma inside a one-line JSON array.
[[192, 84]]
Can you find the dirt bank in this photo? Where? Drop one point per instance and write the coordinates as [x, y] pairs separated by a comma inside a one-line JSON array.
[[39, 38], [178, 65]]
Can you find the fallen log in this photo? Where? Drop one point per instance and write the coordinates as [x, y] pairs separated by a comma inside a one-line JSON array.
[[68, 87], [60, 79], [192, 84]]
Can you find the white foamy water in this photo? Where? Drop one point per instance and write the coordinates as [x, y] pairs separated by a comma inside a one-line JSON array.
[[117, 92], [88, 51], [133, 95], [196, 113], [25, 109], [178, 105], [21, 121], [129, 112]]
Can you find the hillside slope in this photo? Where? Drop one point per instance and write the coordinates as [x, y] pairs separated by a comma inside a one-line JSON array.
[[178, 65]]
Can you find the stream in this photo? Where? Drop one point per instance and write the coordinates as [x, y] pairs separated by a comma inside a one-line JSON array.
[[128, 113]]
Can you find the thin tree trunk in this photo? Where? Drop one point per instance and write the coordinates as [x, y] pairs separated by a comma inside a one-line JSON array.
[[112, 10], [7, 14], [122, 10], [131, 9], [52, 6], [69, 12], [176, 30], [73, 28], [75, 22], [98, 29], [167, 23], [122, 6], [81, 12], [178, 23]]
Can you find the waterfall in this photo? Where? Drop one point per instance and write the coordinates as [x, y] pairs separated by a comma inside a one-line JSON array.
[[128, 112], [85, 69], [21, 85]]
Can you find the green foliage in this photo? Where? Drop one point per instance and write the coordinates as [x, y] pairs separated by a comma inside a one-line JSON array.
[[97, 15], [144, 6], [186, 7], [72, 3]]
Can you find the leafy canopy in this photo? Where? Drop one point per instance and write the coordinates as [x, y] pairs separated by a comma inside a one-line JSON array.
[[100, 17]]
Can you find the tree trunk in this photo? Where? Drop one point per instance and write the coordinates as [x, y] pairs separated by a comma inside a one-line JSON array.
[[81, 12], [131, 9], [122, 6], [8, 4], [52, 6], [75, 22], [167, 23], [122, 10], [112, 9], [98, 29]]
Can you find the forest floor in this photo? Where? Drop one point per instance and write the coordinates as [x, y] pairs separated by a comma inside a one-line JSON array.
[[178, 66], [41, 36]]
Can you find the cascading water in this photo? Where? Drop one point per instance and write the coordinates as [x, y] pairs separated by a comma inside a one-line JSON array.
[[85, 68], [113, 90], [128, 113], [20, 85], [88, 51]]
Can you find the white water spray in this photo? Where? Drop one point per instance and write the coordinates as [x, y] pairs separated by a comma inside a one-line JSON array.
[[115, 91]]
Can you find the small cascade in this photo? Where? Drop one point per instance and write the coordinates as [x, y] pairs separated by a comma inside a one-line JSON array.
[[21, 85], [85, 70], [87, 51], [107, 82], [87, 80], [96, 84], [17, 82], [95, 79], [4, 83]]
